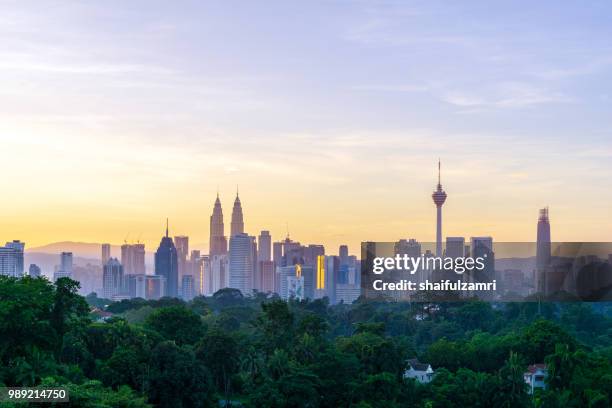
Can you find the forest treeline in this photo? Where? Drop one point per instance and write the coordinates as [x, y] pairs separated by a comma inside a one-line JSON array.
[[260, 351]]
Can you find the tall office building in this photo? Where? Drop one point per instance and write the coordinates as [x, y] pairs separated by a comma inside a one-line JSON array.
[[410, 247], [112, 279], [241, 262], [543, 250], [219, 273], [439, 197], [264, 246], [277, 253], [194, 267], [266, 276], [137, 286], [64, 269], [312, 252], [218, 242], [181, 242], [11, 259], [133, 259], [155, 286], [237, 226], [455, 247], [343, 252], [187, 287], [34, 271], [106, 253], [482, 247], [166, 264]]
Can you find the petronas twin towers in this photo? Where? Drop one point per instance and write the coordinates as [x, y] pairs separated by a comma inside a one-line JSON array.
[[218, 241]]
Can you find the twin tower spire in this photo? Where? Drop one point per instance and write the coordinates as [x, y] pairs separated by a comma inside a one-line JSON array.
[[218, 241]]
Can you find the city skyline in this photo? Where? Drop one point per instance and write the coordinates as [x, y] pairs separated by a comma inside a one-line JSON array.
[[103, 135]]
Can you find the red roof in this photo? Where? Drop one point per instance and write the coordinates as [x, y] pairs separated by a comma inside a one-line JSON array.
[[534, 367]]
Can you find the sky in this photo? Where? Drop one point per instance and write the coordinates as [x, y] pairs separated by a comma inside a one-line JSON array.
[[329, 117]]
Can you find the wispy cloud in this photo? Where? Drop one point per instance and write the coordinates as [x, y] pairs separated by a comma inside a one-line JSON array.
[[511, 95], [390, 88]]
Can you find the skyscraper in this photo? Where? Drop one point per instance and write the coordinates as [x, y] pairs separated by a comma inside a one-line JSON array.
[[277, 252], [219, 273], [266, 276], [155, 286], [343, 253], [455, 247], [543, 251], [11, 259], [237, 226], [482, 247], [439, 197], [264, 246], [112, 279], [133, 259], [64, 270], [106, 253], [218, 242], [187, 287], [181, 243], [241, 262], [166, 264]]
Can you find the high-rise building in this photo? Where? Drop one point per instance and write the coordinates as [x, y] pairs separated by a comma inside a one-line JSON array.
[[439, 197], [455, 247], [320, 281], [219, 273], [155, 286], [237, 226], [266, 279], [543, 250], [166, 264], [241, 262], [187, 287], [264, 245], [343, 252], [11, 259], [312, 253], [64, 269], [133, 259], [181, 242], [482, 247], [34, 271], [112, 279], [332, 272], [194, 267], [284, 273], [410, 247], [137, 286], [277, 253], [218, 242], [106, 253]]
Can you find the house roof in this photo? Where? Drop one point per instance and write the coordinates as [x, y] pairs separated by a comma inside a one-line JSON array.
[[417, 366], [535, 367]]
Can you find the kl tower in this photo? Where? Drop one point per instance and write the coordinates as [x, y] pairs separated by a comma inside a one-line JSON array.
[[439, 197]]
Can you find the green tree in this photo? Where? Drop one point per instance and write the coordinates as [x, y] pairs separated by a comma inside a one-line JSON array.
[[177, 379], [220, 354], [176, 323]]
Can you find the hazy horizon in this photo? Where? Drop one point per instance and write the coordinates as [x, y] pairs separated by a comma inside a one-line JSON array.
[[329, 116]]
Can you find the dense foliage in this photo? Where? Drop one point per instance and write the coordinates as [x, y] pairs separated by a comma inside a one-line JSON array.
[[260, 351]]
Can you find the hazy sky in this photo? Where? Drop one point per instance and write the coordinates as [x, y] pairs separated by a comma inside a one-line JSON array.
[[329, 115]]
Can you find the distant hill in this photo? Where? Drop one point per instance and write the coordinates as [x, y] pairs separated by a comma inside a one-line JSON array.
[[47, 262], [79, 249], [47, 256]]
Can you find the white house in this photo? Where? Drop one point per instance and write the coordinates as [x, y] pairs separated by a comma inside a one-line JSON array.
[[421, 372], [535, 376]]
